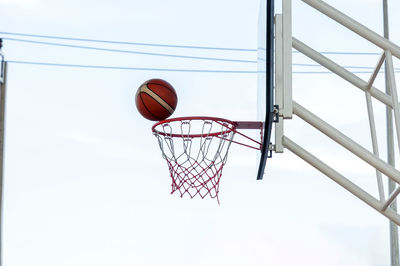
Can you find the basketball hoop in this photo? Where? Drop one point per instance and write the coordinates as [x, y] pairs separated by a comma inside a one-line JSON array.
[[196, 150]]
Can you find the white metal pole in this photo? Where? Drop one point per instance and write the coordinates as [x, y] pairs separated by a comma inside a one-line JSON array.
[[391, 83], [393, 92], [279, 83], [287, 58], [394, 235], [340, 179]]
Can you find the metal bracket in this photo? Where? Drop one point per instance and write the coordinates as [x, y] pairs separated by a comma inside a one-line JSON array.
[[249, 125], [276, 114], [271, 148]]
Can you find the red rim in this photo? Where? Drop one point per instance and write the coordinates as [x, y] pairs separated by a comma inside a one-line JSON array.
[[215, 119]]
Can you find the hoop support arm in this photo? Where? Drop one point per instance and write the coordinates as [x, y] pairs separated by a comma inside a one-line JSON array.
[[249, 124]]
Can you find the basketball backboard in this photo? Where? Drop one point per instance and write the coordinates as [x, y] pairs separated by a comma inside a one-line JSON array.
[[265, 59]]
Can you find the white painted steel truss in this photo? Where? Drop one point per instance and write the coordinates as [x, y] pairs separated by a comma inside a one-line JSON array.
[[287, 107]]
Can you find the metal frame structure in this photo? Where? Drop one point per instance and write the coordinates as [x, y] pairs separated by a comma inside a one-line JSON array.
[[284, 42]]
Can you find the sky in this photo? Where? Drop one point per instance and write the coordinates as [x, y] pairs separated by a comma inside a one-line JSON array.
[[85, 183]]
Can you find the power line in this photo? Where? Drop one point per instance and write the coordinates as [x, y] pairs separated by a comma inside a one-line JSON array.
[[133, 68], [130, 43], [167, 45], [171, 69], [132, 52], [166, 55]]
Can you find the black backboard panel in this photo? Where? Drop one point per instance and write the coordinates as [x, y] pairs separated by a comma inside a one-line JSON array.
[[266, 74]]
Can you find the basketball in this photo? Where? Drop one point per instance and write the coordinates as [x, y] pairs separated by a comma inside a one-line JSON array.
[[156, 99]]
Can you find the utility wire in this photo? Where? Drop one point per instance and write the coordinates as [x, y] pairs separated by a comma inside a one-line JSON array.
[[168, 45], [134, 68], [132, 52], [129, 43], [160, 54], [171, 69], [172, 55]]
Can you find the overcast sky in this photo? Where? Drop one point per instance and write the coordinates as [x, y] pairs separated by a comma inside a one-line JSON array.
[[85, 183]]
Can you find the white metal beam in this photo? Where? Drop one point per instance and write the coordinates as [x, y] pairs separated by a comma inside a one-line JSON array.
[[346, 142], [340, 71], [391, 198], [340, 179], [372, 125], [287, 58], [279, 82], [376, 72], [354, 26]]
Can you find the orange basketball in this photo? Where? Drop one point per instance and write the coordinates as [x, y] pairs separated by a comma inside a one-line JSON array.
[[156, 99]]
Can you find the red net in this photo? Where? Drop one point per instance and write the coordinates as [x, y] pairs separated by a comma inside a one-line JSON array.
[[196, 150]]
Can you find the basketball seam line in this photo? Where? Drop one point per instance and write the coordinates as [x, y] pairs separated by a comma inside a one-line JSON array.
[[153, 115], [153, 95], [162, 85]]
